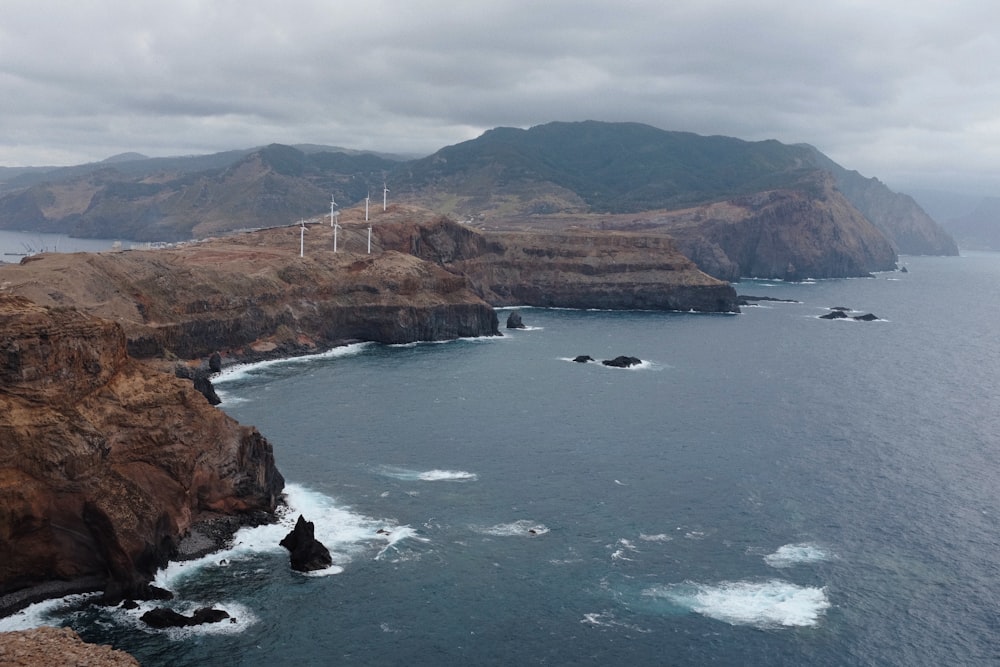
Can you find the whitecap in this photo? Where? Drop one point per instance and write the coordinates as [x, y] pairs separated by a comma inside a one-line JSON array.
[[767, 605], [448, 476], [436, 475], [606, 619], [794, 554], [659, 537], [521, 528]]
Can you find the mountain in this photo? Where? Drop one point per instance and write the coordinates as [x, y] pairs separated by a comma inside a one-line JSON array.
[[505, 176], [167, 199], [898, 216], [595, 167]]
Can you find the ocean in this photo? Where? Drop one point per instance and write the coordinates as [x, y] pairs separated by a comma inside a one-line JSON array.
[[768, 488], [15, 245]]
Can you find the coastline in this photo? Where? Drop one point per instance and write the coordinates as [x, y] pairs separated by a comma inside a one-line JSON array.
[[212, 532]]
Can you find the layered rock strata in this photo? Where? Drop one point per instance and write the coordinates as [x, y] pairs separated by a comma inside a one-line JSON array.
[[566, 269], [105, 463], [252, 295], [810, 232]]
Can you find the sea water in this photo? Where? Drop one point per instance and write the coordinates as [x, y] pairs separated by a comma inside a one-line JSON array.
[[765, 488], [14, 244]]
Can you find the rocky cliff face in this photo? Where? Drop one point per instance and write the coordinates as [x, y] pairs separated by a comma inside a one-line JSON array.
[[897, 216], [584, 269], [807, 232], [252, 295], [105, 462]]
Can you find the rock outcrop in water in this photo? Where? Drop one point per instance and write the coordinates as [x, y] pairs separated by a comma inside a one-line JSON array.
[[306, 553], [514, 320], [105, 462]]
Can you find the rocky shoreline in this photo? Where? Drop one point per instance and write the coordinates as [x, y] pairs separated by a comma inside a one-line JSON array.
[[114, 463]]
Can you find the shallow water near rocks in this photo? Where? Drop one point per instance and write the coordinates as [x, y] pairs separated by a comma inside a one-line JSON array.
[[766, 488]]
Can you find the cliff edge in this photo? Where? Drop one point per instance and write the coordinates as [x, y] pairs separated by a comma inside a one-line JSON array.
[[611, 270], [106, 462]]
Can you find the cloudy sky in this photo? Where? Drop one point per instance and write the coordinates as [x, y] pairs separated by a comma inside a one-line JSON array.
[[908, 91]]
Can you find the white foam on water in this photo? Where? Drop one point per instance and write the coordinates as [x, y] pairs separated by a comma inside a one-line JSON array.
[[622, 547], [766, 605], [448, 476], [436, 475], [795, 554], [521, 528], [605, 619], [42, 613], [659, 537], [240, 618], [238, 372], [345, 533]]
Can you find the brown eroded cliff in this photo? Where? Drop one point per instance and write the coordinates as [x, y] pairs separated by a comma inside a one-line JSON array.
[[566, 269], [104, 461], [252, 294]]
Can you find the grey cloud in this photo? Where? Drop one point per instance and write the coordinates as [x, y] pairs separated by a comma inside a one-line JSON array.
[[905, 91]]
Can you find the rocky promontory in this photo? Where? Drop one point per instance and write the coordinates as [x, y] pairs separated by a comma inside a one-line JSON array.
[[590, 268], [253, 296], [105, 462]]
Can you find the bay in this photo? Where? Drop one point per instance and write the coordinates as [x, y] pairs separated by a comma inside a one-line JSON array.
[[766, 488]]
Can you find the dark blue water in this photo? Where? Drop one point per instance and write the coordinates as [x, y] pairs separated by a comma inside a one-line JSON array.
[[768, 488]]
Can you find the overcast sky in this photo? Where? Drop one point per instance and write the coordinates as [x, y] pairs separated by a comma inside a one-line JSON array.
[[908, 91]]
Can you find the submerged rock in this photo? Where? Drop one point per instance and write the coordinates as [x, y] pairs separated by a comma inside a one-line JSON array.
[[583, 358], [307, 553], [867, 317], [834, 315], [622, 362]]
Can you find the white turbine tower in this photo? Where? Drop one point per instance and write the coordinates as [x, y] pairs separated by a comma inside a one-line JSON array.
[[367, 199], [385, 194], [333, 221], [302, 238]]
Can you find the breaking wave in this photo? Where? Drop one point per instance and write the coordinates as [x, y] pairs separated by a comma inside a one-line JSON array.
[[436, 475], [795, 554], [767, 605]]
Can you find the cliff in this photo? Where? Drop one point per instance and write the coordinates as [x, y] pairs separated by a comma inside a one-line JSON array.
[[907, 226], [566, 269], [105, 462], [251, 295], [808, 231], [791, 234]]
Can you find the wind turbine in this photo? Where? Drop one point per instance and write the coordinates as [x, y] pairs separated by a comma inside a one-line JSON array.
[[367, 198], [334, 215], [385, 193], [302, 238]]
